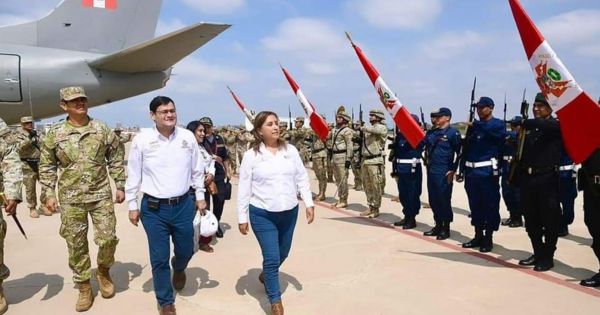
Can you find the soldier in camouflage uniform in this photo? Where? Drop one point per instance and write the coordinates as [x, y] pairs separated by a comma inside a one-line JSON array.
[[342, 156], [29, 152], [243, 138], [230, 137], [383, 143], [298, 139], [356, 141], [371, 151], [11, 175], [83, 151], [319, 164], [329, 146], [123, 138]]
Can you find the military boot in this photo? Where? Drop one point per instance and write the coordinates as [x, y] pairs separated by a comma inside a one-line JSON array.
[[476, 241], [107, 288], [434, 231], [444, 231], [372, 213], [86, 298], [487, 244], [3, 303], [44, 211], [341, 203], [33, 213]]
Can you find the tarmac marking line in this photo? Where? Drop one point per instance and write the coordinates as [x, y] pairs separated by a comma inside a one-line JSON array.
[[492, 259]]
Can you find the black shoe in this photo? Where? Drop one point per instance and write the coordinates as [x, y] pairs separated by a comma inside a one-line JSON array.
[[563, 231], [219, 233], [444, 232], [532, 260], [515, 223], [506, 222], [400, 223], [486, 243], [544, 265], [410, 223], [591, 282], [476, 241], [434, 231]]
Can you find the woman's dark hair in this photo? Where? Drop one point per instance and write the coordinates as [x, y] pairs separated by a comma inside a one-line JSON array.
[[193, 125], [259, 121], [160, 100]]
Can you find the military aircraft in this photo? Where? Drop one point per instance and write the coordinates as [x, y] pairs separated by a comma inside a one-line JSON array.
[[106, 46]]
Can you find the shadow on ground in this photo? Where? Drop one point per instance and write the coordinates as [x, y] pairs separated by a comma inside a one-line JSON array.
[[249, 284], [19, 290]]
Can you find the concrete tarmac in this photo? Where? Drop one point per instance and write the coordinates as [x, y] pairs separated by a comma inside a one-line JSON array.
[[341, 264]]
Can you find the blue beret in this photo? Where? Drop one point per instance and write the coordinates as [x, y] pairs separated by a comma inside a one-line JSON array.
[[442, 111], [485, 101], [517, 120]]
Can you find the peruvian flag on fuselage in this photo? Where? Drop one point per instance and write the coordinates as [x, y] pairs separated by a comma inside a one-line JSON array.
[[104, 4], [577, 112], [405, 123], [316, 121]]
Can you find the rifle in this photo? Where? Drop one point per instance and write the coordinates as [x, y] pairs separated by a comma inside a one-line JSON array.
[[465, 147], [505, 112], [3, 203], [352, 114], [425, 157], [361, 134], [290, 117], [514, 163]]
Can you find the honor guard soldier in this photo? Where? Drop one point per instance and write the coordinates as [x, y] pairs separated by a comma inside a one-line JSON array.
[[11, 175], [77, 156], [29, 152], [589, 182], [329, 145], [342, 152], [356, 144], [442, 144], [123, 139], [510, 194], [567, 189], [298, 137], [243, 139], [539, 181], [230, 138], [407, 169], [372, 158], [485, 142], [319, 164]]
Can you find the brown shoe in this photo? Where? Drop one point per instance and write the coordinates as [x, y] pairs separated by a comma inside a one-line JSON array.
[[321, 197], [261, 277], [178, 280], [86, 298], [277, 308], [33, 213], [105, 283], [206, 248], [371, 213], [168, 310], [341, 204]]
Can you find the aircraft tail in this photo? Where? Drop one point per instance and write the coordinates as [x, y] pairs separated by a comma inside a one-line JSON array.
[[98, 26], [150, 56]]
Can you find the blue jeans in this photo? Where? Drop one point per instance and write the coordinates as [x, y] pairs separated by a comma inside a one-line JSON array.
[[274, 231], [168, 221]]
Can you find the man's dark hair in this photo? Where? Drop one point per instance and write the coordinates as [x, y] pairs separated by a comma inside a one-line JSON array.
[[160, 100]]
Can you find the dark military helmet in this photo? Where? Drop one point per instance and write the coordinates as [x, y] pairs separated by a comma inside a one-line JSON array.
[[485, 101], [206, 121]]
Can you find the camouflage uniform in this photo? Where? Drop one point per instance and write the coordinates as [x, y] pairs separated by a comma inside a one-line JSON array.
[[229, 136], [297, 138], [372, 161], [383, 142], [82, 155], [29, 152], [329, 145], [319, 163], [123, 138], [342, 155], [11, 175], [358, 183], [243, 138]]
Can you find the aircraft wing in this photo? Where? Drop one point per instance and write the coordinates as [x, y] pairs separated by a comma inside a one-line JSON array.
[[161, 53]]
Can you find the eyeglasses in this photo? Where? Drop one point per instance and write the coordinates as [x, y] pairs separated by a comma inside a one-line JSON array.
[[166, 111]]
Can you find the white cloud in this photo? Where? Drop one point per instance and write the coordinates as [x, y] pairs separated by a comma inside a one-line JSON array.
[[575, 27], [320, 68], [165, 27], [216, 6], [450, 45], [195, 76], [397, 14]]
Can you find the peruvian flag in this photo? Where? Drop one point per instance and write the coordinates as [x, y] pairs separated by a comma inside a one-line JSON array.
[[577, 112], [316, 122], [104, 4], [246, 111], [405, 123]]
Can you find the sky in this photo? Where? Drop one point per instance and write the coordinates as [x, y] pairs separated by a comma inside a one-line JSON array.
[[428, 51]]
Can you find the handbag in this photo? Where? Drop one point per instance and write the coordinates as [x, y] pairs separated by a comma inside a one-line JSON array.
[[212, 188], [227, 190], [208, 224]]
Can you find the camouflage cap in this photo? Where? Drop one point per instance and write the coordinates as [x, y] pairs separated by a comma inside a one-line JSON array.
[[118, 129], [72, 92], [299, 119], [377, 113], [540, 98], [206, 121], [344, 116], [26, 119]]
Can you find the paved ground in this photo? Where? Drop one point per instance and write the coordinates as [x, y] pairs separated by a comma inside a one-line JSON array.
[[341, 264]]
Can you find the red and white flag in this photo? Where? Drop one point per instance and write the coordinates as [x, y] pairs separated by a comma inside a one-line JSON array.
[[577, 112], [316, 121], [244, 109], [405, 123], [104, 4]]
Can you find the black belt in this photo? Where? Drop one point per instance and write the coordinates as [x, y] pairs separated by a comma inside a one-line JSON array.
[[369, 157], [30, 160], [339, 151], [170, 201], [318, 150], [539, 170]]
